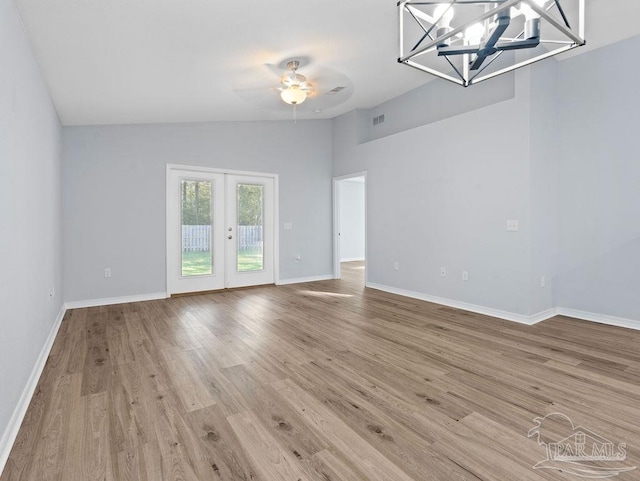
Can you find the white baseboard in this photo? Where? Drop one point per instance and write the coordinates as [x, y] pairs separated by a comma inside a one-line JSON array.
[[352, 259], [600, 318], [487, 311], [107, 301], [511, 316], [299, 280], [11, 432], [543, 316]]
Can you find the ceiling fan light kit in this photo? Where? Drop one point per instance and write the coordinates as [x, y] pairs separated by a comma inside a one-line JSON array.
[[295, 87], [461, 40], [293, 95]]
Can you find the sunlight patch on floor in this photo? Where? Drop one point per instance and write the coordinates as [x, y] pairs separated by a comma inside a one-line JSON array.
[[323, 294]]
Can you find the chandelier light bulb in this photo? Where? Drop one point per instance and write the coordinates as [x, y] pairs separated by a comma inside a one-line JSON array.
[[444, 10], [474, 33], [528, 12]]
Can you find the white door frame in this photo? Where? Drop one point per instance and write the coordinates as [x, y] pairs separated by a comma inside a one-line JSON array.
[[205, 170], [336, 223]]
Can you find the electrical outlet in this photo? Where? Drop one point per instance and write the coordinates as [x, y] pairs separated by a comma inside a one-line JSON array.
[[443, 271], [543, 282], [396, 266], [298, 257], [465, 275], [52, 293], [513, 226], [107, 272]]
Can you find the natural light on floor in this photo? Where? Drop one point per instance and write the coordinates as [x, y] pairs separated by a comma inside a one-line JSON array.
[[323, 294]]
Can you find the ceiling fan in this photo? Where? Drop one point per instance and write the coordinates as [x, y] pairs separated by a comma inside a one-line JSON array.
[[319, 88], [295, 87]]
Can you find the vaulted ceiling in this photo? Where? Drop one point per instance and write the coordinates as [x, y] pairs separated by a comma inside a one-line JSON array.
[[150, 61]]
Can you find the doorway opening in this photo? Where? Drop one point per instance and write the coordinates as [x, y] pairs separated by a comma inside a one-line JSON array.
[[349, 221]]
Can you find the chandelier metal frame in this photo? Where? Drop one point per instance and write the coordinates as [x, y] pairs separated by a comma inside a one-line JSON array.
[[449, 41]]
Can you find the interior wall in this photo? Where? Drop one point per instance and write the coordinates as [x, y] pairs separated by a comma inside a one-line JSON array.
[[432, 102], [439, 196], [559, 157], [544, 184], [114, 196], [599, 231], [30, 207], [352, 220]]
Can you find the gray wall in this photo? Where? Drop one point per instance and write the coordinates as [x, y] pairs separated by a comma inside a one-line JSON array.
[[544, 158], [30, 207], [560, 157], [432, 102], [439, 196], [114, 196], [599, 208], [352, 223]]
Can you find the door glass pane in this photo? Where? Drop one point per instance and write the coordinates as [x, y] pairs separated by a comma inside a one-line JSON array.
[[196, 203], [250, 227]]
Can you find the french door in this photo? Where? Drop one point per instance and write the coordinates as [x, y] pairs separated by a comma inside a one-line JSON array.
[[220, 230]]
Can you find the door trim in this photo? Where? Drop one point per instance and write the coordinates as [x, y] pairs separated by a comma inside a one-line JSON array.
[[336, 223], [213, 170]]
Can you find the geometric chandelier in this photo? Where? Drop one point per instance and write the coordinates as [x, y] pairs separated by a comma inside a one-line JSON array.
[[468, 41]]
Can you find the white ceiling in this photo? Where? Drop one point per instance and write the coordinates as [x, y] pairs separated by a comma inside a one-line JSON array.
[[149, 61]]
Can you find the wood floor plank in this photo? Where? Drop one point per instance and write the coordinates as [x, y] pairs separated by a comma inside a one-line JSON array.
[[74, 460], [96, 441], [321, 381], [130, 418], [193, 394], [282, 422], [222, 391], [47, 460], [272, 460], [121, 350], [224, 453], [404, 446], [174, 457], [338, 434], [97, 366], [333, 468]]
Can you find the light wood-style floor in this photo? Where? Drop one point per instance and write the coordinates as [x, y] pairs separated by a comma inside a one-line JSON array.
[[324, 381]]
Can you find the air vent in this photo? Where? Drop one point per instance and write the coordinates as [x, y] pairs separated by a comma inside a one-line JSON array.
[[378, 119], [335, 90]]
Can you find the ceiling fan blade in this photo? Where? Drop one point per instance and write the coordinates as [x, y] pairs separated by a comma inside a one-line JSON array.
[[332, 83], [268, 98], [275, 70], [324, 100]]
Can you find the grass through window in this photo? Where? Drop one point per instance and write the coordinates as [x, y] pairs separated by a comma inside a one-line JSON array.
[[199, 263]]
